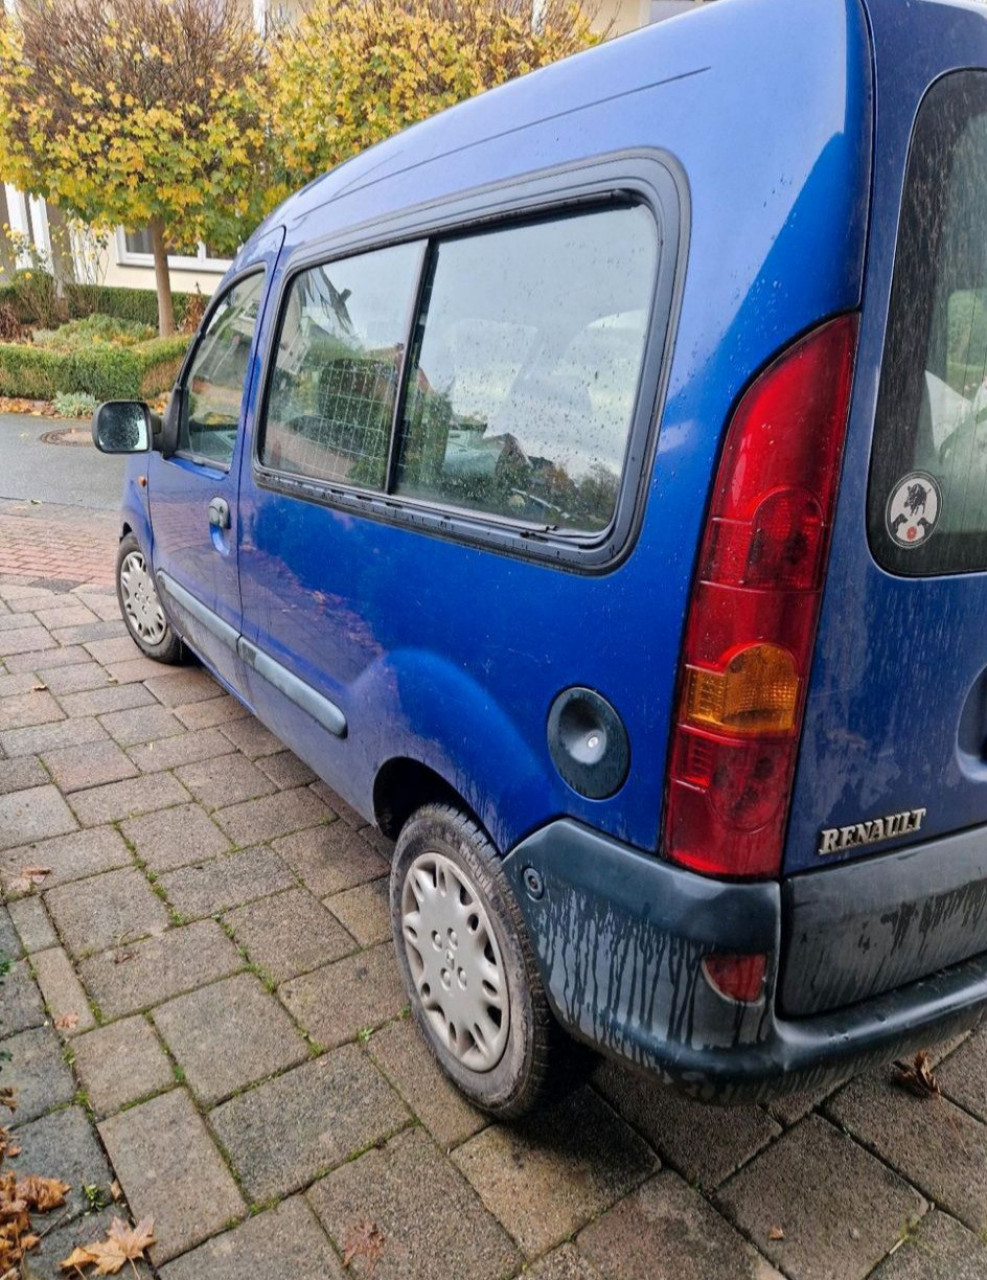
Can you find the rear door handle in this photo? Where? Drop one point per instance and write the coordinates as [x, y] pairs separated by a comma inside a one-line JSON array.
[[219, 513]]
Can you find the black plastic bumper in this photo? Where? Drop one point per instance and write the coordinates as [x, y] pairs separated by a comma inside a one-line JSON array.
[[620, 938]]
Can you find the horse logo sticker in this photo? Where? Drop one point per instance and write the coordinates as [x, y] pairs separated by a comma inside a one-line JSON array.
[[913, 509]]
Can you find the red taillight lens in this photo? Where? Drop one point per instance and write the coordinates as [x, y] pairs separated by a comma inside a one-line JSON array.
[[736, 977], [754, 609]]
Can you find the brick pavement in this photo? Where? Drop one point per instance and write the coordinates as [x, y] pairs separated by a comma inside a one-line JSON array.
[[204, 1006]]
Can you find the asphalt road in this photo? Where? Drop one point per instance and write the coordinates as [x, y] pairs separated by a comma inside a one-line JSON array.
[[69, 474]]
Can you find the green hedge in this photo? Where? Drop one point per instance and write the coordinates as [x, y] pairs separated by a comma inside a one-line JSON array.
[[84, 299], [125, 304], [108, 373]]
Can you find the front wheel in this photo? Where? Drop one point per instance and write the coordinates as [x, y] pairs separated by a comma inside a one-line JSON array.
[[141, 607], [467, 964]]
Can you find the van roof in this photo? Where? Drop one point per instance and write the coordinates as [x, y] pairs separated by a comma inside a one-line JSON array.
[[729, 37]]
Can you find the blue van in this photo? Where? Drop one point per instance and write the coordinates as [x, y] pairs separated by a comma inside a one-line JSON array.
[[590, 484]]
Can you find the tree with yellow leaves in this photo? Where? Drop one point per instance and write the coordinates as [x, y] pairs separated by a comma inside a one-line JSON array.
[[351, 72], [140, 113]]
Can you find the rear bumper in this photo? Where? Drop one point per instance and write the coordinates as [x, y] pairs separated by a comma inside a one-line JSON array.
[[620, 938]]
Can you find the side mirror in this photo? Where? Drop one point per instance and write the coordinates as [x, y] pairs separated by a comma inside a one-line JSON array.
[[122, 426]]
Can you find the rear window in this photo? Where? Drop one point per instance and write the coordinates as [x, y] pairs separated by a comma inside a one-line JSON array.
[[927, 508]]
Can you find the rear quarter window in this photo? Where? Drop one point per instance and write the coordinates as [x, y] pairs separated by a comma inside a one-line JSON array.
[[927, 505]]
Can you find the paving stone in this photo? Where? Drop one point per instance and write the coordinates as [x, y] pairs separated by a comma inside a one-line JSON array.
[[963, 1075], [666, 1231], [224, 780], [229, 1035], [853, 1216], [63, 1145], [285, 1132], [705, 1144], [941, 1249], [101, 629], [167, 753], [228, 881], [565, 1263], [180, 688], [365, 910], [25, 709], [547, 1177], [75, 678], [132, 670], [76, 768], [71, 857], [113, 697], [52, 737], [432, 1223], [17, 621], [62, 991], [938, 1147], [111, 910], [250, 736], [171, 1171], [61, 1240], [104, 604], [153, 971], [26, 640], [120, 1063], [116, 650], [331, 858], [20, 774], [46, 659], [791, 1107], [35, 814], [38, 1074], [174, 837], [285, 769], [285, 1241], [11, 947], [29, 917], [214, 711], [125, 799], [289, 933], [255, 821], [141, 724], [402, 1054], [63, 615], [341, 999]]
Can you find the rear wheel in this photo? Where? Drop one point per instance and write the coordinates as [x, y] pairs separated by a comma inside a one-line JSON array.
[[467, 964], [141, 607]]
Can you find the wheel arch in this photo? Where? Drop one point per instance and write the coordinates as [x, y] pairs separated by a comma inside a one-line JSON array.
[[403, 784]]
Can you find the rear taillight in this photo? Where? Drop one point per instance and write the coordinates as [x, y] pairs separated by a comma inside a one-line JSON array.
[[754, 608]]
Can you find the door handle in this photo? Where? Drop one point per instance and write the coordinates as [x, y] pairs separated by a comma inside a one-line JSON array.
[[219, 513]]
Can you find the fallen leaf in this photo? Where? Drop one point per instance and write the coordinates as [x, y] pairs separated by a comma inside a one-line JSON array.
[[28, 878], [38, 688], [67, 1022], [364, 1240], [7, 1097], [116, 1191], [776, 1233], [918, 1076], [121, 956], [122, 1244], [42, 1194]]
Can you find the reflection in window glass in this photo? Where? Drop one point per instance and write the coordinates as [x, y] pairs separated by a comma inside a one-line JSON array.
[[525, 368], [218, 373], [337, 367]]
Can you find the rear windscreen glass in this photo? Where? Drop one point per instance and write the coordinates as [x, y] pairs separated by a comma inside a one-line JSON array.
[[927, 506]]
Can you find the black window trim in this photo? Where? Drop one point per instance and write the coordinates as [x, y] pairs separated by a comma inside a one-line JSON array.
[[647, 177], [181, 390]]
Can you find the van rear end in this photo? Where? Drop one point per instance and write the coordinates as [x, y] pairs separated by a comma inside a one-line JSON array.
[[820, 902]]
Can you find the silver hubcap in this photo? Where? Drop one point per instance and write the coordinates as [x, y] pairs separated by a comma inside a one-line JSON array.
[[140, 599], [455, 961]]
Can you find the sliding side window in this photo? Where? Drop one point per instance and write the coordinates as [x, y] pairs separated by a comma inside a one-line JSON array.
[[337, 366]]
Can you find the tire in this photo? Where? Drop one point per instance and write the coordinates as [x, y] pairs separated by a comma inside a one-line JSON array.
[[478, 999], [140, 606]]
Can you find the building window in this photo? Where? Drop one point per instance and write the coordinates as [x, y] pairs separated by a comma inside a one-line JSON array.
[[134, 249]]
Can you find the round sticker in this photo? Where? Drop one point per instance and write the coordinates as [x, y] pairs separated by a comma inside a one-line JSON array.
[[913, 509]]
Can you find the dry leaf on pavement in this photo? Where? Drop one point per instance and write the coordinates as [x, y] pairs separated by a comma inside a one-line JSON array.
[[122, 1244], [28, 878], [776, 1233], [364, 1240], [67, 1022], [918, 1076]]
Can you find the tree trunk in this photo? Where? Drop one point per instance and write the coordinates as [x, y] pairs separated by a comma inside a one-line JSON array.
[[162, 280]]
